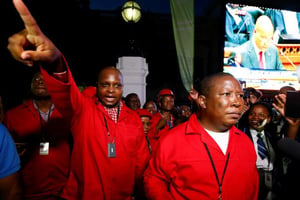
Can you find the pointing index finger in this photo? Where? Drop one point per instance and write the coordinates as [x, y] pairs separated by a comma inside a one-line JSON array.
[[29, 22]]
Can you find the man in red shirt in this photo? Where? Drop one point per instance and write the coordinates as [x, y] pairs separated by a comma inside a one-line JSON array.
[[43, 139], [163, 120], [206, 157], [110, 151]]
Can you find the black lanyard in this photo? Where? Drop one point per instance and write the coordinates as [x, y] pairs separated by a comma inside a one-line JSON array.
[[216, 174], [106, 125], [43, 129]]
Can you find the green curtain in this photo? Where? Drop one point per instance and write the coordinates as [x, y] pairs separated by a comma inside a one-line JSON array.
[[182, 12]]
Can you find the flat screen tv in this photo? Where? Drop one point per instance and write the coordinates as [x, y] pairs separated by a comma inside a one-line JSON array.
[[241, 54]]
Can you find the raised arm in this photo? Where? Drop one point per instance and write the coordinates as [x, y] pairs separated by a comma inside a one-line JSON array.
[[31, 45]]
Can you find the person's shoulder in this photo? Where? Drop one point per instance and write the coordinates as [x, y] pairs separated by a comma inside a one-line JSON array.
[[273, 49], [129, 113], [3, 132], [240, 133], [176, 133], [3, 128], [244, 47], [19, 108]]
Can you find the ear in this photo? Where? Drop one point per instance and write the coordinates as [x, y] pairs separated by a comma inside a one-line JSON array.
[[201, 101]]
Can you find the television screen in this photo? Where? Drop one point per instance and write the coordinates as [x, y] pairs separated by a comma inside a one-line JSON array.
[[262, 46]]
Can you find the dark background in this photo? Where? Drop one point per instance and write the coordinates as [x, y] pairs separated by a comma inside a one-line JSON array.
[[91, 39]]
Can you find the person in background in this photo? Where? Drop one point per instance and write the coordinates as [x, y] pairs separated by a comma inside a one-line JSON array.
[[268, 162], [110, 152], [44, 142], [146, 117], [260, 52], [251, 96], [150, 105], [291, 130], [163, 120], [283, 126], [206, 157], [183, 114], [286, 22], [239, 25], [133, 102], [10, 182]]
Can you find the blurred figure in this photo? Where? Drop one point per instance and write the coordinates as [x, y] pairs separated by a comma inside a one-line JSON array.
[[239, 25], [291, 165], [146, 117], [281, 125], [285, 89], [251, 96], [260, 52], [150, 106], [43, 138], [133, 102], [163, 120], [10, 183], [183, 114], [285, 22]]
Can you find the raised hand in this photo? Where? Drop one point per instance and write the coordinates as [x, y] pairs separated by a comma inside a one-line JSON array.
[[280, 106], [193, 94], [31, 45]]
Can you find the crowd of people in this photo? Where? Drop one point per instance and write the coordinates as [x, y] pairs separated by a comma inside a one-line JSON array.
[[63, 143]]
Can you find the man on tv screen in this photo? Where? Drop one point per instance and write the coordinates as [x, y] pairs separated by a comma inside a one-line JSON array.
[[260, 52]]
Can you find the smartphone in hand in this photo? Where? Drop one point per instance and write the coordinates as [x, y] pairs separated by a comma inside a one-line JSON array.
[[292, 106]]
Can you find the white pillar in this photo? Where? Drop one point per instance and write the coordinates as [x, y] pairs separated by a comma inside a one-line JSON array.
[[135, 71]]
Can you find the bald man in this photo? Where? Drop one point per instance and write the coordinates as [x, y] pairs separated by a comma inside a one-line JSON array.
[[260, 52]]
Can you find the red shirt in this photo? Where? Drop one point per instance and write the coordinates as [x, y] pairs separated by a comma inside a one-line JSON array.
[[152, 135], [43, 175], [181, 168], [93, 174]]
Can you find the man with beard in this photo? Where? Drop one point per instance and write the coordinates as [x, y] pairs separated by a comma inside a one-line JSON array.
[[110, 151], [43, 141], [163, 120]]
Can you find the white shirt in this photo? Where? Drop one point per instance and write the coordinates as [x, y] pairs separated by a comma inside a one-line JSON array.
[[221, 138], [265, 164], [257, 53]]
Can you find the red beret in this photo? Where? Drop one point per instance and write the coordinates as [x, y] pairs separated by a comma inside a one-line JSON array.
[[165, 92], [143, 113]]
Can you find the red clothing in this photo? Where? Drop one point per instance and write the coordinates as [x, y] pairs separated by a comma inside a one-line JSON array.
[[181, 169], [93, 174], [43, 175], [152, 135]]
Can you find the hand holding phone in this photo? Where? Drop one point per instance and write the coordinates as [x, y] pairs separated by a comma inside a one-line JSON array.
[[292, 106]]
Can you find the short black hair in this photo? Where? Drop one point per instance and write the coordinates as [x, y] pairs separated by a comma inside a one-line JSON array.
[[265, 104], [206, 84]]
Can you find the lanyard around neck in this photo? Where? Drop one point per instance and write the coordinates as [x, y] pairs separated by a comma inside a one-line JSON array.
[[106, 126], [216, 174], [43, 130]]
